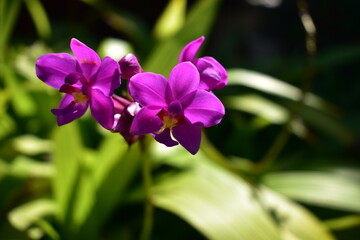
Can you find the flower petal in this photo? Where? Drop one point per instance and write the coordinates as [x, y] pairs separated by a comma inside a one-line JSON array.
[[68, 110], [53, 68], [189, 51], [87, 58], [183, 79], [146, 121], [107, 78], [205, 110], [129, 66], [213, 75], [189, 136], [148, 89], [165, 138], [102, 108]]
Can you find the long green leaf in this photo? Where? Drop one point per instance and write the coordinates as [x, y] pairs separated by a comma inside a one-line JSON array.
[[39, 17], [319, 188], [68, 154], [198, 23], [28, 214], [215, 202], [316, 112], [171, 20], [295, 222], [273, 86], [114, 167]]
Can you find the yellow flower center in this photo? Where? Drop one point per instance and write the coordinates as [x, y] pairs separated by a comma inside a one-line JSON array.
[[80, 98], [169, 121]]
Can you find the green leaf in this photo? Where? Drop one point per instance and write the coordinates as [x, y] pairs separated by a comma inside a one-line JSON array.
[[21, 100], [171, 20], [215, 202], [198, 23], [319, 188], [25, 167], [68, 154], [295, 222], [115, 48], [258, 106], [29, 213], [115, 166], [343, 223], [39, 17], [31, 145], [316, 112], [273, 86]]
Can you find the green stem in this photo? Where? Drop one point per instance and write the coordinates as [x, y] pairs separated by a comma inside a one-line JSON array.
[[279, 143], [149, 207]]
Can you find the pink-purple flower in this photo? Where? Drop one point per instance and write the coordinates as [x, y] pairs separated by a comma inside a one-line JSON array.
[[175, 108], [86, 81], [212, 74]]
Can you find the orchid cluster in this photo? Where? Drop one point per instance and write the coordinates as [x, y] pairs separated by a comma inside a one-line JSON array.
[[172, 110]]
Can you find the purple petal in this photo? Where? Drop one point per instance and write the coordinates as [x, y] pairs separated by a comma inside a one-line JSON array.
[[107, 78], [68, 110], [129, 66], [165, 138], [215, 77], [102, 108], [183, 79], [53, 68], [205, 110], [189, 51], [146, 121], [148, 89], [88, 59], [189, 136]]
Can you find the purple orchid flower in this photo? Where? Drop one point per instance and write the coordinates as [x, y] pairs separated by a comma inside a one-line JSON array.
[[129, 66], [85, 80], [176, 106], [212, 74]]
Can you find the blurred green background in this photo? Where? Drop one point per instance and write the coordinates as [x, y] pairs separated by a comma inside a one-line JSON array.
[[283, 163]]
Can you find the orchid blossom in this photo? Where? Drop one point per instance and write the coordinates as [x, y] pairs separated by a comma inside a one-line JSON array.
[[85, 80], [175, 107], [212, 74]]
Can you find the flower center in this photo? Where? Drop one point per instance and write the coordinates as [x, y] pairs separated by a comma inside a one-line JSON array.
[[169, 121], [171, 118], [79, 97], [79, 93]]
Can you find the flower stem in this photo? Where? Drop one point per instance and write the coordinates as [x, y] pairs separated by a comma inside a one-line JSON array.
[[149, 208], [310, 43]]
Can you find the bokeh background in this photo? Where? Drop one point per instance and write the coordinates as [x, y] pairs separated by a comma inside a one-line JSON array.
[[283, 163]]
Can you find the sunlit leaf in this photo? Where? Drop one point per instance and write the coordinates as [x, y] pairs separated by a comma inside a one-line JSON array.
[[259, 106], [319, 188], [103, 188], [39, 17], [21, 100], [26, 167], [171, 20], [8, 15], [114, 48], [295, 222], [216, 203], [164, 55], [316, 112], [29, 213], [343, 223], [68, 153], [31, 145], [271, 85]]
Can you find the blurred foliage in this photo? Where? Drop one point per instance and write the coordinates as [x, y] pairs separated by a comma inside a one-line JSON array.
[[283, 164]]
